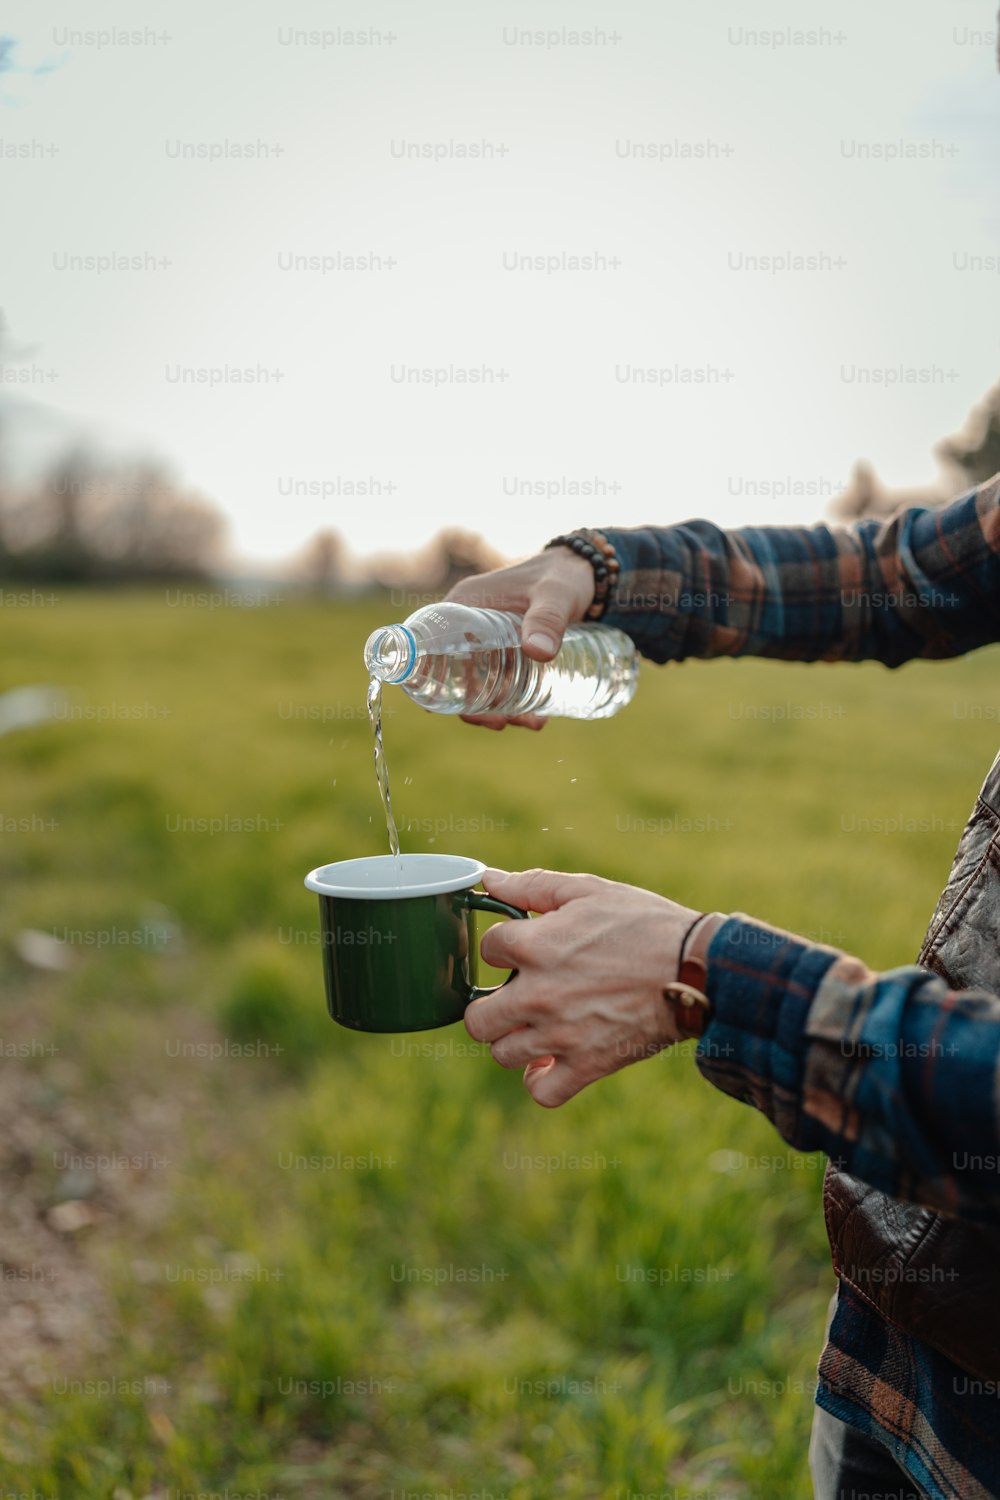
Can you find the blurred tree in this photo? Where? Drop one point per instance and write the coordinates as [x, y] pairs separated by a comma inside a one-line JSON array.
[[973, 454], [865, 495], [320, 564], [91, 520], [460, 553], [59, 507], [47, 519], [139, 525], [450, 555], [91, 517], [967, 459]]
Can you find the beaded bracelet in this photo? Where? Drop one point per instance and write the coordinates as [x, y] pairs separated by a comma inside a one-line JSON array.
[[594, 548]]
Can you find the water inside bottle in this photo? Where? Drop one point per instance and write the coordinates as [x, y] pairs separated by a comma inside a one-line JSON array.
[[382, 771]]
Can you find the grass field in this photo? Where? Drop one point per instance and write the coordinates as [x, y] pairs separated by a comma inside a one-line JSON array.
[[364, 1266]]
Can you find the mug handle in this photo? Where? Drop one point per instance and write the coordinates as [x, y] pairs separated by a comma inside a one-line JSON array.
[[479, 901]]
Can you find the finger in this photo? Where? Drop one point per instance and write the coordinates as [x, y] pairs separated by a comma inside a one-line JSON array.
[[528, 721], [553, 604], [506, 945], [537, 890], [520, 1046], [498, 721], [485, 721], [493, 1016], [551, 1084]]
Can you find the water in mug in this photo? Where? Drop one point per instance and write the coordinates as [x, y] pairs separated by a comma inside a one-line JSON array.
[[456, 659]]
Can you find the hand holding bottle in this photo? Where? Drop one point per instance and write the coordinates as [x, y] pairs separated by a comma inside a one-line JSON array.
[[551, 590]]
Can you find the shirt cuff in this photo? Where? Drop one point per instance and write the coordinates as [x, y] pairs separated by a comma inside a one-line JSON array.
[[650, 598], [761, 983]]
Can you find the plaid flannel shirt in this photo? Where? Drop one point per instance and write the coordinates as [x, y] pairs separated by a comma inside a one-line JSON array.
[[912, 1105]]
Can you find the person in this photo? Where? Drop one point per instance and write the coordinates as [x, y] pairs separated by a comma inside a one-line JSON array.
[[895, 1076]]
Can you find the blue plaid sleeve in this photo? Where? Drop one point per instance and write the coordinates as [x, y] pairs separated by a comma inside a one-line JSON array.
[[893, 1075], [924, 583]]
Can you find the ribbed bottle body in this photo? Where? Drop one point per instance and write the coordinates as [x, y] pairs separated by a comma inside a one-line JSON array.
[[459, 659]]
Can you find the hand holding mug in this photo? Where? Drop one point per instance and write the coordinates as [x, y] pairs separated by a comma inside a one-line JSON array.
[[587, 998]]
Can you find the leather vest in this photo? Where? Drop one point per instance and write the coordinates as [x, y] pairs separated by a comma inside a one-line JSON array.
[[931, 1275]]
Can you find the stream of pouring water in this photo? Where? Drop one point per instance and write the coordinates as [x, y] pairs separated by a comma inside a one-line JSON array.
[[382, 772]]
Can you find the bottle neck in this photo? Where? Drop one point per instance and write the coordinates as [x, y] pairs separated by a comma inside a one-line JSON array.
[[391, 653]]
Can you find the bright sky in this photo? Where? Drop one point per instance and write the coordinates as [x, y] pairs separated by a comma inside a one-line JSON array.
[[760, 141]]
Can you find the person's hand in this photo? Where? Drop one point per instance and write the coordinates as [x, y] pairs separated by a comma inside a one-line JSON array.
[[552, 590], [587, 997]]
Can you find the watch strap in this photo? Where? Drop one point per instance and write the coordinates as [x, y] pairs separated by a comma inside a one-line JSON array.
[[686, 994]]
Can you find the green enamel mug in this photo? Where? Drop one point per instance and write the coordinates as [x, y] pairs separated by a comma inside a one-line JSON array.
[[398, 936]]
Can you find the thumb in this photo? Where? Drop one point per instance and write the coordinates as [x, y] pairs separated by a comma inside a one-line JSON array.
[[536, 890], [550, 610]]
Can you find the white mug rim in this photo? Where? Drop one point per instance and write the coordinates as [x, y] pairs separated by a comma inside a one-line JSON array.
[[465, 878]]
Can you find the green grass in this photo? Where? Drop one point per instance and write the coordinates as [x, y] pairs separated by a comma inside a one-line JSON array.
[[437, 1310]]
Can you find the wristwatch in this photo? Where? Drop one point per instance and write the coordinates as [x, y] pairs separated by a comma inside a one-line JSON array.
[[686, 995]]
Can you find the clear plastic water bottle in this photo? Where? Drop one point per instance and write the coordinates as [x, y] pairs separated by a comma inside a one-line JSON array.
[[457, 659]]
